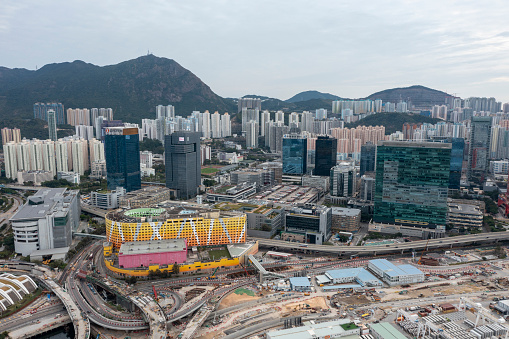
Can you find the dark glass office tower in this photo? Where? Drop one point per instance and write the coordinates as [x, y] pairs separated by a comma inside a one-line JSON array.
[[325, 155], [412, 182], [295, 150], [478, 153], [457, 151], [183, 165], [368, 156], [122, 153]]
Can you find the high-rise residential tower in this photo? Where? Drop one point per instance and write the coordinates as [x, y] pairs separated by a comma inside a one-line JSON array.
[[325, 155], [183, 165], [52, 125], [343, 179], [412, 182], [41, 111], [122, 154]]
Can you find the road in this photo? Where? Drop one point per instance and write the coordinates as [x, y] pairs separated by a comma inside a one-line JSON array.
[[5, 216], [399, 247], [20, 319]]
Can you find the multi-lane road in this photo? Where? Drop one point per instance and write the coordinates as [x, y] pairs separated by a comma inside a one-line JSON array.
[[392, 248]]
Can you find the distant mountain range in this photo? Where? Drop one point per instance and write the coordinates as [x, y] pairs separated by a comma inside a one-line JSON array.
[[310, 95], [133, 88]]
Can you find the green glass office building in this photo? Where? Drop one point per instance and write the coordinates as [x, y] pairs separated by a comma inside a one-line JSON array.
[[412, 180]]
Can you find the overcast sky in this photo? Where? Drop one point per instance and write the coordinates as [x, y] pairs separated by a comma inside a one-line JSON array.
[[276, 48]]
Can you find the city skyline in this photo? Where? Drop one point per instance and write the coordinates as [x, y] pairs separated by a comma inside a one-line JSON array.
[[454, 49]]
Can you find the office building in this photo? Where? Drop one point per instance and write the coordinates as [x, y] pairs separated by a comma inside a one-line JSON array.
[[499, 167], [46, 221], [478, 153], [295, 154], [107, 200], [325, 155], [343, 179], [52, 125], [9, 135], [122, 154], [345, 219], [310, 225], [412, 182], [201, 227], [368, 156], [367, 187], [183, 165], [41, 111]]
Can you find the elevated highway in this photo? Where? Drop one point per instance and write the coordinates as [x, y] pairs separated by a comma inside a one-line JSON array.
[[392, 248]]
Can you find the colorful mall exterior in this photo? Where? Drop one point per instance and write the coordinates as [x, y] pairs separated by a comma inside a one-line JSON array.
[[201, 227]]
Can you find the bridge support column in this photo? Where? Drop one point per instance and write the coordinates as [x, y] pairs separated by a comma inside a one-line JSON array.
[[261, 277], [402, 251], [450, 246]]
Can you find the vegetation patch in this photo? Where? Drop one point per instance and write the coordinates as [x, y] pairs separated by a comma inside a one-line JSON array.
[[241, 291]]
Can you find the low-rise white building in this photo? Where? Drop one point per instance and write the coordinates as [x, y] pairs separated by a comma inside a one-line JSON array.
[[395, 275], [329, 329]]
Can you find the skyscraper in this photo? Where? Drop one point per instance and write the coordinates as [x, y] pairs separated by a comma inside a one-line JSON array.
[[343, 179], [122, 153], [295, 154], [52, 125], [478, 153], [325, 155], [411, 185], [368, 155], [183, 165]]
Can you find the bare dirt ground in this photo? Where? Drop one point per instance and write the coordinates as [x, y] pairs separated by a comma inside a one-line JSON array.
[[235, 299], [354, 300], [453, 288], [318, 302]]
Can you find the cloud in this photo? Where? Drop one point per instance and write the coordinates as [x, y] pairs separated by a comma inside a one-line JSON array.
[[276, 48]]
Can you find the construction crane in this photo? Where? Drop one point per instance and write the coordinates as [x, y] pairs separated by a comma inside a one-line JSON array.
[[422, 253], [214, 273]]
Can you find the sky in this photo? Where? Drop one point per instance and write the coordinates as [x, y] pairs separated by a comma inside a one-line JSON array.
[[276, 48]]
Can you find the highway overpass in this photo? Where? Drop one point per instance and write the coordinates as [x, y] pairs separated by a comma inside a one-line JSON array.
[[392, 248]]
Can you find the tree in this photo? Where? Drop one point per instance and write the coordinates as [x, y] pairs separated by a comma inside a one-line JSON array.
[[131, 280], [209, 182], [175, 269]]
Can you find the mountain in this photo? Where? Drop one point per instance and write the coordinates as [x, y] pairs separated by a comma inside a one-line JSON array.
[[392, 121], [308, 95], [420, 96], [132, 88]]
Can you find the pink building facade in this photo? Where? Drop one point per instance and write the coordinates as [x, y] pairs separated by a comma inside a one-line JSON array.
[[155, 258]]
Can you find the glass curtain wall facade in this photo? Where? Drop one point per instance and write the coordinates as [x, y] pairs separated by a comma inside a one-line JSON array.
[[325, 155], [183, 164], [294, 154], [368, 156], [412, 182], [478, 153], [122, 153]]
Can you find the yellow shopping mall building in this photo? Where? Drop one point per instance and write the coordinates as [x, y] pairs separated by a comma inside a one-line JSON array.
[[201, 227]]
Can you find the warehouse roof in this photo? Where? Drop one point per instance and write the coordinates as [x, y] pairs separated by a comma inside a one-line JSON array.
[[153, 246], [387, 331], [392, 270], [321, 330], [300, 281]]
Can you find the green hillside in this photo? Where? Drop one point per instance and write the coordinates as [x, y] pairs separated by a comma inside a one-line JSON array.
[[392, 121]]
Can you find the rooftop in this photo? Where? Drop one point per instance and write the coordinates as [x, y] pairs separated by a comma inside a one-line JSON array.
[[153, 246], [168, 212], [392, 270], [350, 212], [40, 204], [387, 331], [300, 281], [414, 144], [321, 330], [464, 209]]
